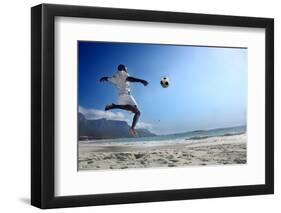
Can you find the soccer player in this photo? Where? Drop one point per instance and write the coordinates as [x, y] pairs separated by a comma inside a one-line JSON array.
[[126, 101]]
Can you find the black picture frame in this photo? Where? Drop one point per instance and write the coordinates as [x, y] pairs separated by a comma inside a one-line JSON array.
[[43, 102]]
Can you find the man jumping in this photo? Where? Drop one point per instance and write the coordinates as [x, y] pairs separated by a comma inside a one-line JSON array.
[[126, 101]]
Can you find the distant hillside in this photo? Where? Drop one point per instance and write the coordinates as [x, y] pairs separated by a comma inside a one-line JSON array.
[[211, 132], [106, 129]]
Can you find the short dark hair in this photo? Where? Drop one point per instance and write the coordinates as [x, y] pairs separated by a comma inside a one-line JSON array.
[[122, 67]]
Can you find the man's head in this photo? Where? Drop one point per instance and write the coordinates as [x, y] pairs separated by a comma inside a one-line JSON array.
[[122, 67]]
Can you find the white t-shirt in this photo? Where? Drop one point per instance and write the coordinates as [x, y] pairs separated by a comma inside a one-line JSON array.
[[119, 79]]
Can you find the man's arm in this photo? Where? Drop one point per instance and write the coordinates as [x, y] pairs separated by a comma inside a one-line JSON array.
[[109, 79], [104, 79], [132, 79]]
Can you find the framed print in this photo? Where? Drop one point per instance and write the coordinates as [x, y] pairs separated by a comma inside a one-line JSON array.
[[139, 106]]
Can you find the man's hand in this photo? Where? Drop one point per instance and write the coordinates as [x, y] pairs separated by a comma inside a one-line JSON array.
[[144, 82], [104, 79]]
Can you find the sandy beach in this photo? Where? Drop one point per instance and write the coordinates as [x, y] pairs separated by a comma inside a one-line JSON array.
[[180, 152]]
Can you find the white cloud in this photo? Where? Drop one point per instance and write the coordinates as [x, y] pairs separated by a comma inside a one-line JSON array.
[[94, 114], [144, 125]]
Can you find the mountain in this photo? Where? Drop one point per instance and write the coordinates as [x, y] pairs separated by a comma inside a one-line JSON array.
[[211, 132], [106, 129]]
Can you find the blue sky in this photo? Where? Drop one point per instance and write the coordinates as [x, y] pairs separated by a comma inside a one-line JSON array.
[[208, 84]]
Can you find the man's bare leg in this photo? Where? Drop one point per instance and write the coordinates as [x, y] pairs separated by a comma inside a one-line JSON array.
[[130, 108]]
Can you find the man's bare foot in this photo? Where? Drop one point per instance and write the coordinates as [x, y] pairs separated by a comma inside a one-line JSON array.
[[108, 107], [133, 132]]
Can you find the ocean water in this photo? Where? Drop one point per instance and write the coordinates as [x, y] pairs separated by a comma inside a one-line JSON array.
[[192, 135]]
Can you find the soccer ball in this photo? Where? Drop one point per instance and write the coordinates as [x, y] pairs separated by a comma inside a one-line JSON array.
[[165, 82]]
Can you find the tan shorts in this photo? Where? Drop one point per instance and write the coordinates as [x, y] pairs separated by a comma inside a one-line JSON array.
[[126, 100]]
